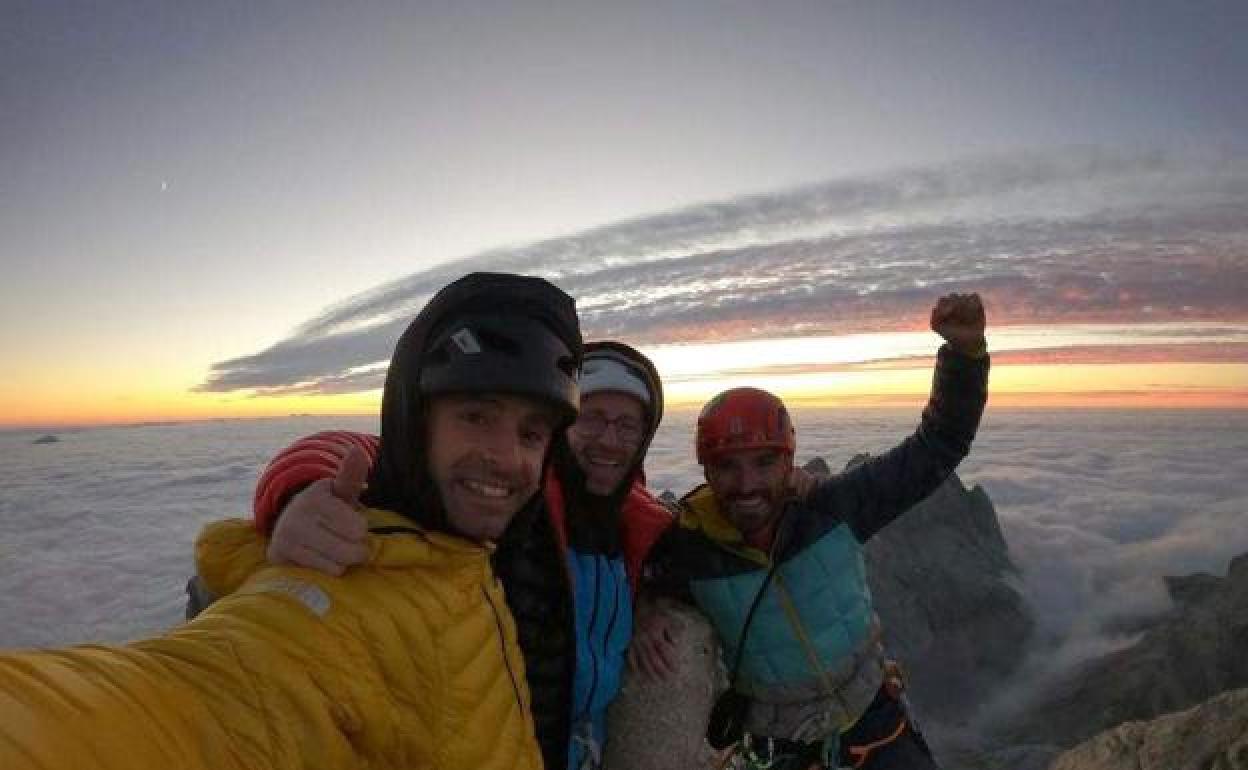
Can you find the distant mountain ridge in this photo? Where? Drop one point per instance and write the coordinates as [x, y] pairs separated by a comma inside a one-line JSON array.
[[1198, 650]]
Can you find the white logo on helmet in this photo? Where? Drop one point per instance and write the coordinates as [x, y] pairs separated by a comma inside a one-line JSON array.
[[466, 342]]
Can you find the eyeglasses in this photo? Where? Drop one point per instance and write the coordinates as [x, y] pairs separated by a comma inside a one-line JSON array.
[[594, 424]]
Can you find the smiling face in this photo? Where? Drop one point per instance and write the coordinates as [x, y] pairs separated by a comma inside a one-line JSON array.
[[750, 486], [485, 457], [606, 438]]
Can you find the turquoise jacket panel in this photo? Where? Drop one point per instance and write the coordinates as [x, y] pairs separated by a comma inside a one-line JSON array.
[[818, 605]]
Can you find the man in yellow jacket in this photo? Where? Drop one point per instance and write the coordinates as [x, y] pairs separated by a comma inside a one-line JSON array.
[[408, 661]]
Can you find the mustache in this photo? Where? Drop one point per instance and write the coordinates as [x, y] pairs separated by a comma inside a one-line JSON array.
[[486, 471], [606, 450], [763, 493]]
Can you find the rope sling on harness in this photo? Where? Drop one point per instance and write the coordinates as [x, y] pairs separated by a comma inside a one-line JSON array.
[[860, 754], [770, 753], [893, 687], [758, 752]]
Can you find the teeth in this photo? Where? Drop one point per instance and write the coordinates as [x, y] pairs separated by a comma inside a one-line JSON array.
[[486, 490]]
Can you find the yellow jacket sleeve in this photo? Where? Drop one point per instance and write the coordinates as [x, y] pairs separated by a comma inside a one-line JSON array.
[[256, 683], [408, 662]]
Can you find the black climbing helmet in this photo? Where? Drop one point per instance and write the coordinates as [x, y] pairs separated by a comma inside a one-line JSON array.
[[502, 353]]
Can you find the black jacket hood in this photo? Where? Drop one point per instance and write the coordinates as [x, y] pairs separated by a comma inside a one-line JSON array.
[[399, 480]]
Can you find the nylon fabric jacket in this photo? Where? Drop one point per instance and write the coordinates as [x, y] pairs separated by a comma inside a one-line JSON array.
[[573, 612], [410, 661], [814, 632]]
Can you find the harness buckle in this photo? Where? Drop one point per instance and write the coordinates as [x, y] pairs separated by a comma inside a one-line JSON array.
[[591, 756], [754, 759], [894, 679]]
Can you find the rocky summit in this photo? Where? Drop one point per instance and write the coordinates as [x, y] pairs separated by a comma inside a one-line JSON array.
[[659, 724], [1210, 736], [944, 588]]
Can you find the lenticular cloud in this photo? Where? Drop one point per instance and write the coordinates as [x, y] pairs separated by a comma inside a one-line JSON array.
[[1084, 235]]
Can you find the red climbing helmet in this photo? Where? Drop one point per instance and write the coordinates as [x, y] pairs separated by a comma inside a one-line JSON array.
[[744, 418]]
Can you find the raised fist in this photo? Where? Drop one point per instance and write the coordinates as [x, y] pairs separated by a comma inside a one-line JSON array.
[[959, 318]]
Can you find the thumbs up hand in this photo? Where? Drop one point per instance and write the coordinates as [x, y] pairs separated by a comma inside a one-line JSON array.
[[322, 527], [352, 478]]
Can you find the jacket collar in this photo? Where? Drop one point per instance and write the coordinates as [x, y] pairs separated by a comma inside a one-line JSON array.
[[700, 510]]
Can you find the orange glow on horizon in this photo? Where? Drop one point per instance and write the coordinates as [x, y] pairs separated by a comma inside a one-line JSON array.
[[180, 407], [1176, 377], [1103, 385]]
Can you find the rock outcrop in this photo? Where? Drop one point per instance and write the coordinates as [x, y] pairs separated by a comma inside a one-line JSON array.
[[1197, 651], [657, 725], [943, 585], [1210, 736]]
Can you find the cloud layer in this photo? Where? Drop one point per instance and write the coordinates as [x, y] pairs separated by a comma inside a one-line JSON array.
[[96, 542], [1081, 235]]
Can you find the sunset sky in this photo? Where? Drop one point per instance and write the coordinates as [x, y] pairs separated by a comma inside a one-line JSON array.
[[222, 210]]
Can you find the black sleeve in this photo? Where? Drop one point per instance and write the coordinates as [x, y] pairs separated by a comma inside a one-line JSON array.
[[869, 496], [663, 573], [198, 597]]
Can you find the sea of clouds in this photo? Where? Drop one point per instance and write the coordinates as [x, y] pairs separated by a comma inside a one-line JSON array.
[[96, 530]]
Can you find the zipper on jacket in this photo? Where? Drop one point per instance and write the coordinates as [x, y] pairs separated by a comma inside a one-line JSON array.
[[615, 614], [502, 642], [768, 561], [593, 659]]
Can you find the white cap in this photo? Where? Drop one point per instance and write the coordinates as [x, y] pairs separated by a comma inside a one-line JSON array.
[[604, 370]]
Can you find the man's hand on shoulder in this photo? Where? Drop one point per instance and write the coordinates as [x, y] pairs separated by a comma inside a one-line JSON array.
[[323, 527], [653, 648], [802, 482], [960, 319]]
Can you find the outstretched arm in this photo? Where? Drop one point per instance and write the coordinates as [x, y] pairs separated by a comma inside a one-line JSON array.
[[258, 684], [869, 496]]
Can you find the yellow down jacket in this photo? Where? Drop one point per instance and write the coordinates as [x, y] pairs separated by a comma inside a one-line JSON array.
[[410, 661]]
